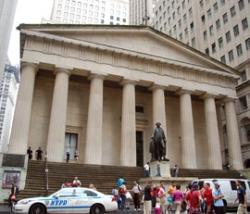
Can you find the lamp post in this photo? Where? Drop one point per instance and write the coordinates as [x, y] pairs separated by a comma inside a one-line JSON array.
[[46, 174]]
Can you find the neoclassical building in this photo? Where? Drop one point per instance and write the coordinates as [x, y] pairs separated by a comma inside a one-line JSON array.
[[100, 90]]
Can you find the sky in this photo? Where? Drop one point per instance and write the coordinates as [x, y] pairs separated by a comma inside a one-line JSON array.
[[27, 11]]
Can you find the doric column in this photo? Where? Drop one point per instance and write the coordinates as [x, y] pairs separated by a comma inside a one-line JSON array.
[[234, 146], [159, 107], [93, 149], [128, 132], [58, 114], [213, 139], [21, 123], [187, 131]]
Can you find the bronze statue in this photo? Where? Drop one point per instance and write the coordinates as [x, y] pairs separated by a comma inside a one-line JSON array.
[[158, 144]]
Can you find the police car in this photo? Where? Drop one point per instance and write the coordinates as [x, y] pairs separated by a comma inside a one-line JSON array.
[[68, 200]]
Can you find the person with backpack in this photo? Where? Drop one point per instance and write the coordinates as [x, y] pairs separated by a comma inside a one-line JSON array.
[[136, 195], [193, 198]]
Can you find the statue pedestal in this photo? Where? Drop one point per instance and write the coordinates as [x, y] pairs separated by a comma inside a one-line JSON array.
[[159, 169]]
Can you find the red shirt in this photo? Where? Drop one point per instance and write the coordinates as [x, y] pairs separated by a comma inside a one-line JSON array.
[[208, 195], [193, 197]]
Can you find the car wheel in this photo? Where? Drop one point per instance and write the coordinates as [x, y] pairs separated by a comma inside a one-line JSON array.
[[97, 209], [37, 209]]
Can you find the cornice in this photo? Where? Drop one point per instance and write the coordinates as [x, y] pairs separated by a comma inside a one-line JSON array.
[[83, 50]]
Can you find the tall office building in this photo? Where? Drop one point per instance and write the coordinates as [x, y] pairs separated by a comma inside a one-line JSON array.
[[7, 13], [220, 29], [90, 12], [141, 12], [8, 94]]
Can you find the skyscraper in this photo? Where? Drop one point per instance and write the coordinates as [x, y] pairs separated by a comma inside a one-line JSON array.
[[90, 12], [220, 29], [141, 12], [7, 12], [8, 94]]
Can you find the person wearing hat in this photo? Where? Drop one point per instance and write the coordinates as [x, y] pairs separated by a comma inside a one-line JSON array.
[[218, 199], [159, 143]]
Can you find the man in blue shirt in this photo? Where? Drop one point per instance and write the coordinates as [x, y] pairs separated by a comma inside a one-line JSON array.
[[242, 198], [218, 196]]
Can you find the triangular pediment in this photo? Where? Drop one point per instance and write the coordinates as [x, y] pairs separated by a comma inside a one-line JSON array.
[[136, 39]]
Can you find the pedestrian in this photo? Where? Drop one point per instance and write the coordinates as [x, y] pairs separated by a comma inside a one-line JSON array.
[[207, 196], [171, 190], [136, 195], [162, 197], [39, 154], [146, 169], [76, 182], [76, 155], [147, 207], [178, 197], [218, 196], [29, 152], [241, 198], [122, 193], [193, 198], [92, 186], [67, 156], [176, 170], [158, 206]]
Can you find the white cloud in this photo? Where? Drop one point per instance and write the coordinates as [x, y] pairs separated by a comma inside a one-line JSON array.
[[27, 11]]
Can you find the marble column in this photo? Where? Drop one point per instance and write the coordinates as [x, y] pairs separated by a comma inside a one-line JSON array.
[[93, 149], [21, 122], [212, 130], [234, 146], [58, 115], [128, 129], [187, 131], [159, 107]]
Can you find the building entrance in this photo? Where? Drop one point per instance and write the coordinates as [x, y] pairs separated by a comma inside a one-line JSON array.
[[139, 148], [70, 144]]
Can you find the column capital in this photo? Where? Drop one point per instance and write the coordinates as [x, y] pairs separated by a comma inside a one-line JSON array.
[[208, 95], [157, 86], [184, 91], [128, 81], [229, 99], [96, 76], [62, 70], [29, 64]]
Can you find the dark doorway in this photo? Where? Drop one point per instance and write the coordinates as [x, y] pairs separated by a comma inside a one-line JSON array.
[[247, 163], [139, 148]]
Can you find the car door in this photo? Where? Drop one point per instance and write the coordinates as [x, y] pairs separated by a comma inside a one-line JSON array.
[[80, 202], [62, 201]]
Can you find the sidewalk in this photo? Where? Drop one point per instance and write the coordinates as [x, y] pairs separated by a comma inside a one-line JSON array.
[[4, 209]]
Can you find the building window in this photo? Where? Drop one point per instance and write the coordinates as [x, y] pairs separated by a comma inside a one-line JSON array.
[[220, 42], [179, 23], [205, 35], [243, 76], [223, 59], [192, 27], [211, 30], [236, 30], [201, 3], [215, 7], [241, 4], [203, 19], [183, 4], [243, 103], [180, 36], [190, 12], [217, 24], [225, 19], [233, 11], [185, 17], [213, 47], [231, 56], [239, 49], [209, 14], [193, 42], [222, 2], [139, 109], [228, 36], [248, 43], [244, 24], [207, 51]]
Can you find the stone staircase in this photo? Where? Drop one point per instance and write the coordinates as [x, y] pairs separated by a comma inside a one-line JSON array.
[[209, 173], [103, 177]]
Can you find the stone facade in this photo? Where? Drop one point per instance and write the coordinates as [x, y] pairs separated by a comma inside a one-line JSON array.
[[108, 83]]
